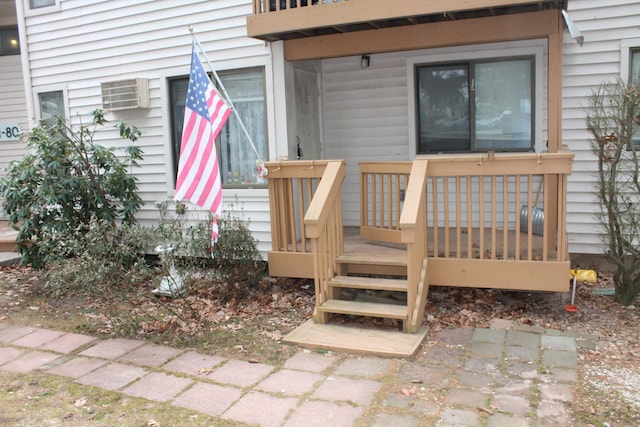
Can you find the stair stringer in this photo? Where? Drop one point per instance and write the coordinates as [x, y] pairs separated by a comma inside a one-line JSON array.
[[414, 322]]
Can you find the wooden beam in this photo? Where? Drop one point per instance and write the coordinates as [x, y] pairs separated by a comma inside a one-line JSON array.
[[358, 11], [423, 36], [516, 275], [290, 264]]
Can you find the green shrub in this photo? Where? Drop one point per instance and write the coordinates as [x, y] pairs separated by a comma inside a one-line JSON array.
[[107, 259], [66, 185], [234, 266]]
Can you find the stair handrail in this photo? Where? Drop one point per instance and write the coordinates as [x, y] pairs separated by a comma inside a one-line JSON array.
[[413, 228], [323, 225]]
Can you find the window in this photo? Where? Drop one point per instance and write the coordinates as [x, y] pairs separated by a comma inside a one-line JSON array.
[[634, 71], [236, 157], [9, 42], [634, 77], [51, 105], [476, 106], [37, 4]]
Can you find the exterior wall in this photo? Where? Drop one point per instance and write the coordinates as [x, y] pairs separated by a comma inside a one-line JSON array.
[[370, 113], [366, 113], [13, 107], [83, 43], [607, 26]]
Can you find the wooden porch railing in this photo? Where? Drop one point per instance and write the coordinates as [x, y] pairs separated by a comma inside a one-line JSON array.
[[414, 235], [481, 208], [382, 192], [292, 185], [323, 224]]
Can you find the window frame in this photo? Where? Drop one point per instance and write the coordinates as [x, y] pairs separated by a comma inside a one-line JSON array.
[[471, 66], [49, 89], [29, 11], [628, 48], [537, 48], [173, 151]]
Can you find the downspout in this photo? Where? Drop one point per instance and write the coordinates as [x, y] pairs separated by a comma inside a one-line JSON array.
[[24, 58]]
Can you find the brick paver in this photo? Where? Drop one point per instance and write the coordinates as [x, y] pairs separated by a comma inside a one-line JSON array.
[[29, 361], [317, 413], [290, 382], [150, 355], [11, 333], [67, 343], [199, 398], [240, 373], [9, 353], [192, 363], [158, 387], [112, 348], [313, 362], [360, 392], [77, 367], [363, 367], [37, 338], [262, 409], [112, 376]]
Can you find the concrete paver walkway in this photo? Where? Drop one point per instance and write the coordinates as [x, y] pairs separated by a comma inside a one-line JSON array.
[[503, 376]]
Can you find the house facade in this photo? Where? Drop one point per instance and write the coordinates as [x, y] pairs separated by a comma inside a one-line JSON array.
[[13, 105], [375, 90]]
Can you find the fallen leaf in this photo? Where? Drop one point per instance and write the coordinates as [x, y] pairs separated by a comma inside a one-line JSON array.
[[409, 391]]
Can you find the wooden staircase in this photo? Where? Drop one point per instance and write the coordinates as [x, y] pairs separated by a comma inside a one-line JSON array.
[[378, 275]]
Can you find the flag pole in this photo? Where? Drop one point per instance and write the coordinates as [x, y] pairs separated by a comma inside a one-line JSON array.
[[224, 91]]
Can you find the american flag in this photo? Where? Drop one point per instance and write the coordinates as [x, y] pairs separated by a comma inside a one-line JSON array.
[[204, 116]]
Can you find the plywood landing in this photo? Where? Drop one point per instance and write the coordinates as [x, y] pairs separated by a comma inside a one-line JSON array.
[[356, 339]]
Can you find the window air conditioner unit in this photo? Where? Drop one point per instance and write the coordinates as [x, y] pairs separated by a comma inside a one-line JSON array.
[[125, 94]]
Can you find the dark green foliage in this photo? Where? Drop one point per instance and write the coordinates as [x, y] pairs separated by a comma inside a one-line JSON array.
[[107, 259], [67, 185], [236, 254], [234, 268]]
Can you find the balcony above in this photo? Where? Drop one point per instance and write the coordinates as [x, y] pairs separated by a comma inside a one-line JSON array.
[[291, 19]]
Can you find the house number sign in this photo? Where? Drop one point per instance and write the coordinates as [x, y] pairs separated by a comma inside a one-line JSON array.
[[10, 131]]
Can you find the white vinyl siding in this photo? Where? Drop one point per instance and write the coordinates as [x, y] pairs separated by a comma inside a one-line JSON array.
[[370, 112], [13, 108], [605, 25], [82, 44]]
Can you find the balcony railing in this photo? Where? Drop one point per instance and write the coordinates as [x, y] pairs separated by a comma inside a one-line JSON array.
[[285, 19]]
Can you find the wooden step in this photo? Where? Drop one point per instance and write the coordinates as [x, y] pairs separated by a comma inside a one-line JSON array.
[[371, 309], [356, 339], [353, 263], [373, 283], [357, 258]]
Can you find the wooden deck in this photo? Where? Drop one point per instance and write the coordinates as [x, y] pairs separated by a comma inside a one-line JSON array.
[[444, 221], [355, 245]]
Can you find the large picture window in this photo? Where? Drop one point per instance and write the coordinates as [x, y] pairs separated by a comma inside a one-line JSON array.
[[236, 157], [476, 106]]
